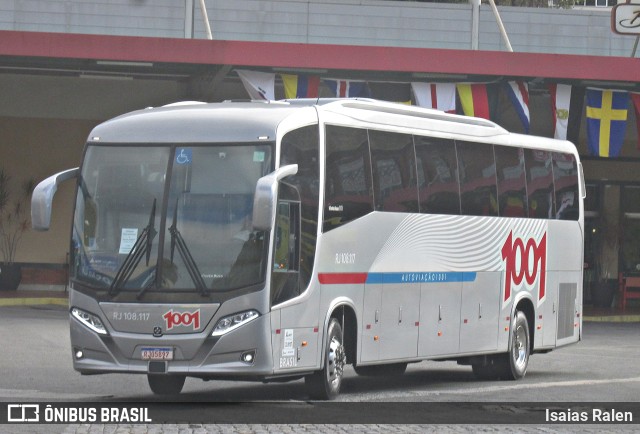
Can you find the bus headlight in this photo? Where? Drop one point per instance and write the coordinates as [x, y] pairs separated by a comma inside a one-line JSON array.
[[90, 320], [234, 321]]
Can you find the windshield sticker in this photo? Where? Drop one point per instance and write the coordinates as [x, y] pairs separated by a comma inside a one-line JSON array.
[[184, 155], [128, 238], [258, 156]]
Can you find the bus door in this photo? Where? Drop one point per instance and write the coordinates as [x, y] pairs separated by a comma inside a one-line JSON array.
[[296, 338]]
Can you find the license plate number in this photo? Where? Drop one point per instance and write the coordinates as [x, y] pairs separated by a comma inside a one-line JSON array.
[[157, 353]]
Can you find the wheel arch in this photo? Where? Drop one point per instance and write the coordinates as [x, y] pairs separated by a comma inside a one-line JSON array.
[[344, 311]]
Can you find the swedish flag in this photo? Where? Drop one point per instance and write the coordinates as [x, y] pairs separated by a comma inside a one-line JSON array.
[[606, 121]]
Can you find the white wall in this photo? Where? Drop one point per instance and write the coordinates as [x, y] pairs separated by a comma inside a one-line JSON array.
[[352, 22]]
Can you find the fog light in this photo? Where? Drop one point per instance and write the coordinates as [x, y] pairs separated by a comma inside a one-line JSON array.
[[79, 354], [249, 356]]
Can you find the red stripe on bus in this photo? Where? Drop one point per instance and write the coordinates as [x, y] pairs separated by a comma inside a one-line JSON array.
[[341, 278]]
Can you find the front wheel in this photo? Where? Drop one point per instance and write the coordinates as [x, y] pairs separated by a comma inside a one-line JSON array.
[[325, 383], [166, 384], [518, 357]]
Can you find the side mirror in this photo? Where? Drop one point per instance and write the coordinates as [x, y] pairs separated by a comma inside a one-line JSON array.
[[264, 201], [42, 198]]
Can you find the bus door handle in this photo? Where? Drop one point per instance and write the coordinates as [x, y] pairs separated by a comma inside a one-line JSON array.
[[377, 316], [439, 312], [480, 310], [400, 315]]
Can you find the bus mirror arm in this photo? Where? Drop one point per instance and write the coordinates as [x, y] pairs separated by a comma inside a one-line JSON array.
[[264, 201], [42, 198]]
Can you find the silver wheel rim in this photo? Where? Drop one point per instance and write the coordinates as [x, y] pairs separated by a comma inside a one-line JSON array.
[[335, 362], [520, 348]]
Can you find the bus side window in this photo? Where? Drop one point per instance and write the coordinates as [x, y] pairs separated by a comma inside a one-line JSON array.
[[565, 180], [394, 168], [437, 175], [539, 184], [349, 190], [512, 191], [477, 172]]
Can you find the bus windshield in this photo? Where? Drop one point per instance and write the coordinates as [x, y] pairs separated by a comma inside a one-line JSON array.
[[132, 236]]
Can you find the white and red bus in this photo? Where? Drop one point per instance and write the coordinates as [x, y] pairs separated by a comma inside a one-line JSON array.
[[281, 240]]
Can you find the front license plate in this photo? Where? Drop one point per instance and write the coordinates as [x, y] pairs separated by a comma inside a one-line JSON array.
[[157, 353]]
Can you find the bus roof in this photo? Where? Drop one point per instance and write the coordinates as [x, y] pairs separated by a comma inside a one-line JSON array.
[[250, 121], [196, 122]]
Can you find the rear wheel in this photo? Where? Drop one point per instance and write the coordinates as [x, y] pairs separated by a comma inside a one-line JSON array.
[[515, 366], [166, 384], [325, 383]]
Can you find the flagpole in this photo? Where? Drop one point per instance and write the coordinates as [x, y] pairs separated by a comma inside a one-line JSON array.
[[503, 32], [207, 26], [475, 24]]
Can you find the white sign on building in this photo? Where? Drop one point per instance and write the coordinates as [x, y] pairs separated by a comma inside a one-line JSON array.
[[625, 19]]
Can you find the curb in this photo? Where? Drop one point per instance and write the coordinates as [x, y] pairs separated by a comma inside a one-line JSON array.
[[34, 301]]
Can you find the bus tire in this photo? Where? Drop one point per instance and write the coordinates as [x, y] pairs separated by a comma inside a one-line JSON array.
[[517, 359], [166, 384], [325, 383], [381, 370]]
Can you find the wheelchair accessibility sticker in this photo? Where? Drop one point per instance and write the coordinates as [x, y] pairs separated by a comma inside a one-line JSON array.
[[184, 155]]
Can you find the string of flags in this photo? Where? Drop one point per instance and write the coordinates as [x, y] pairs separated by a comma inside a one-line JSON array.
[[606, 110]]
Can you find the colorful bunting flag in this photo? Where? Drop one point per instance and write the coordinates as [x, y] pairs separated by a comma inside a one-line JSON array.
[[439, 96], [518, 92], [259, 85], [560, 105], [348, 88], [474, 100], [300, 86], [606, 121]]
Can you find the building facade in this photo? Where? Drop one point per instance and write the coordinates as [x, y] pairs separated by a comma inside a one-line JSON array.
[[66, 66]]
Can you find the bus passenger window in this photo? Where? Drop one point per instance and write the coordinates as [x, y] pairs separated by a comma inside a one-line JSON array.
[[512, 192], [539, 184], [394, 168], [437, 175], [565, 176], [477, 171], [348, 191]]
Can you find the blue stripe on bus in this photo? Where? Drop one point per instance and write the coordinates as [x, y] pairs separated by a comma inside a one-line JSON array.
[[422, 277]]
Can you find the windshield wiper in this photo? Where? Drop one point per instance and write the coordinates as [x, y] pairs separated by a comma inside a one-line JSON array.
[[140, 248], [185, 254]]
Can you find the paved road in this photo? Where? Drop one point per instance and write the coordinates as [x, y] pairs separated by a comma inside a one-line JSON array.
[[36, 365]]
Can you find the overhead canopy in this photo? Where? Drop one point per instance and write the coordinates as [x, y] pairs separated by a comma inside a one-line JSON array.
[[104, 52]]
